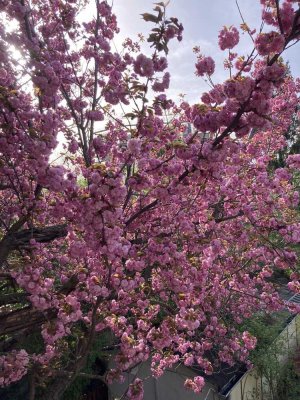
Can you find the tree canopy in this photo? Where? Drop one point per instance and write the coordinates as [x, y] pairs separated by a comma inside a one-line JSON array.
[[162, 236]]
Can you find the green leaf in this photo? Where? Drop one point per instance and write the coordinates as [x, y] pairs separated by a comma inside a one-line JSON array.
[[138, 87], [130, 115], [152, 37], [150, 18], [160, 13]]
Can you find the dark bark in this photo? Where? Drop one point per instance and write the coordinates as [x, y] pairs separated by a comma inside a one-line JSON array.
[[17, 240], [58, 387], [18, 320], [12, 298], [28, 318], [40, 235]]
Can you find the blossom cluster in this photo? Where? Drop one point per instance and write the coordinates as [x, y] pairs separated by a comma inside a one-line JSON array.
[[157, 227]]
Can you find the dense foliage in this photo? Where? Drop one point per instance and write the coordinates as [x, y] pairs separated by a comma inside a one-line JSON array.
[[161, 236]]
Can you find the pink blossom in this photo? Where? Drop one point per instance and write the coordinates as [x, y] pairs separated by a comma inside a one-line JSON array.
[[271, 42], [95, 115], [250, 341], [205, 65], [195, 384], [136, 391], [293, 161], [163, 85], [146, 226], [228, 38], [144, 66]]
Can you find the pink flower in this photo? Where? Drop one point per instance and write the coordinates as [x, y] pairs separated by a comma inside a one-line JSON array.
[[271, 42], [136, 391], [13, 366], [195, 384], [228, 37], [143, 66], [293, 161], [163, 85], [3, 76], [249, 340], [95, 115], [205, 65], [239, 89], [274, 72], [160, 64]]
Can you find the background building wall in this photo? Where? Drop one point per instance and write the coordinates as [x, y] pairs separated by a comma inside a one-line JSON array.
[[253, 386]]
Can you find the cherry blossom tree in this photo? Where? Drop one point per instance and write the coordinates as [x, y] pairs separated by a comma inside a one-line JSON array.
[[165, 238]]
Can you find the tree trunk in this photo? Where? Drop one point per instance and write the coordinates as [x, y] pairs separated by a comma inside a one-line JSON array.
[[25, 318], [14, 240], [57, 388]]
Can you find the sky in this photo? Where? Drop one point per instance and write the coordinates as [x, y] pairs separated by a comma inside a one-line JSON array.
[[202, 20]]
